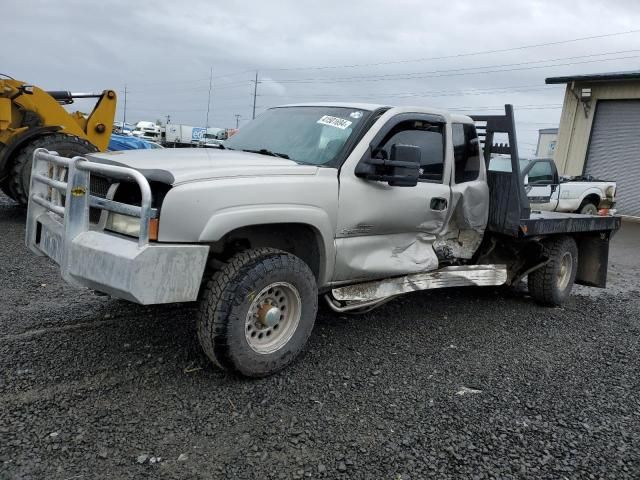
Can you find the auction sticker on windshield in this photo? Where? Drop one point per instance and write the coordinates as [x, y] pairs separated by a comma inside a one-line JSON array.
[[340, 123]]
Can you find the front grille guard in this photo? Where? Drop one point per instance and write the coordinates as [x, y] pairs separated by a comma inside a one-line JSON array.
[[48, 185]]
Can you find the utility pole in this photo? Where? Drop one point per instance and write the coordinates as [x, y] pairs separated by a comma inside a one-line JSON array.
[[237, 115], [209, 99], [255, 94], [124, 115]]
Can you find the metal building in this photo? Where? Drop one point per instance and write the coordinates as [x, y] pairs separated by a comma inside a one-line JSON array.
[[599, 132], [547, 140]]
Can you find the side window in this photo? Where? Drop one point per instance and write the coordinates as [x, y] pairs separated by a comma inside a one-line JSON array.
[[429, 137], [541, 174], [466, 152]]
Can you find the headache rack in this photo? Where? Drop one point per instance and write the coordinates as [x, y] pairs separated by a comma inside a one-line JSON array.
[[508, 202], [61, 186], [509, 209]]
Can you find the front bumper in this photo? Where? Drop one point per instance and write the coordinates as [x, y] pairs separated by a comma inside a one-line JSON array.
[[134, 270]]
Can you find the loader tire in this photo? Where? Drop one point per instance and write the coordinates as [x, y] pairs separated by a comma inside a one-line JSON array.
[[257, 312], [65, 145], [4, 186], [551, 284]]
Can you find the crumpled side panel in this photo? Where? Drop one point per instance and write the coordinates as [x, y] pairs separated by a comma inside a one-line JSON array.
[[463, 233], [380, 256], [470, 202]]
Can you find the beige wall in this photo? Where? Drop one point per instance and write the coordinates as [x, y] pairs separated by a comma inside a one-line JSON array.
[[575, 126]]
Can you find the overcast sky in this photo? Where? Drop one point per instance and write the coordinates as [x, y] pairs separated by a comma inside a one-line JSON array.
[[383, 52]]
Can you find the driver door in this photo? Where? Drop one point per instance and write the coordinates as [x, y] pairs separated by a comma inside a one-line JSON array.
[[385, 230], [541, 185]]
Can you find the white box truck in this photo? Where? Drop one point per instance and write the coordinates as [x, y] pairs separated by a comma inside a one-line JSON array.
[[177, 135]]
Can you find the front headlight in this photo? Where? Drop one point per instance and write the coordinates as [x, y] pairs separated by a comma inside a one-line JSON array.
[[116, 222], [126, 225]]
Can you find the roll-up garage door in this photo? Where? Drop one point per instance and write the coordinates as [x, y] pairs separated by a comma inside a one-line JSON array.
[[614, 151]]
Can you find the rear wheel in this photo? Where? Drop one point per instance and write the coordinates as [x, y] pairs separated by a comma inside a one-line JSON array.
[[552, 284], [65, 145], [588, 208], [257, 312]]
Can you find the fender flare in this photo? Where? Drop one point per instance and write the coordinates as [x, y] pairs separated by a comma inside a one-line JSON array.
[[230, 219]]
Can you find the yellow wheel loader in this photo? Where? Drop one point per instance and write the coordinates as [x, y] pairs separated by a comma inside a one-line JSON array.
[[32, 118]]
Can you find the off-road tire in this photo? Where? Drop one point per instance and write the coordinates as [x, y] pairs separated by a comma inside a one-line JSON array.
[[547, 285], [225, 300], [65, 145], [588, 208]]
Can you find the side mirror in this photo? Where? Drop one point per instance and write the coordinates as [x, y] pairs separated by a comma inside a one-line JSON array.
[[402, 169], [405, 163], [526, 179]]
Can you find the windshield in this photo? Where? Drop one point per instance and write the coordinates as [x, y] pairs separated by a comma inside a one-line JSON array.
[[312, 135]]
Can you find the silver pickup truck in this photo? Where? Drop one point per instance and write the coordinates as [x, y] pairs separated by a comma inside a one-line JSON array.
[[357, 203]]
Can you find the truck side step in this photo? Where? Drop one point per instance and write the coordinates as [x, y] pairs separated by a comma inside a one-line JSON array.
[[458, 276]]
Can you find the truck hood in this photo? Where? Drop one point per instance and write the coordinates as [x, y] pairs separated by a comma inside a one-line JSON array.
[[180, 165]]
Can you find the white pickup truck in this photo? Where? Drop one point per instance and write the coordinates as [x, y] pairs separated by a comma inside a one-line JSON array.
[[546, 190]]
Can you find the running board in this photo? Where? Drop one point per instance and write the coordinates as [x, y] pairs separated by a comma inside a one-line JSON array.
[[459, 276]]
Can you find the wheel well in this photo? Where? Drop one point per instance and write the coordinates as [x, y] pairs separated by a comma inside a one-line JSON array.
[[301, 240], [591, 198]]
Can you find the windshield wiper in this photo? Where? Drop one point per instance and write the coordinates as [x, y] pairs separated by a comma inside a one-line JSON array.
[[264, 151]]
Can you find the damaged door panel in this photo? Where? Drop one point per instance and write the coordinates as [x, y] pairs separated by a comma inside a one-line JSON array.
[[375, 256], [464, 229], [386, 230]]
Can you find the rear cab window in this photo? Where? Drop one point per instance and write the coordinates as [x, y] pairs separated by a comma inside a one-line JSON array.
[[466, 152]]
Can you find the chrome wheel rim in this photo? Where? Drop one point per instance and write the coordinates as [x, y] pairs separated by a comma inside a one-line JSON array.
[[564, 272], [273, 317]]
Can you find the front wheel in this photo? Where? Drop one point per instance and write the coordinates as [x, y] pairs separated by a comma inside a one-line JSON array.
[[256, 313], [552, 284]]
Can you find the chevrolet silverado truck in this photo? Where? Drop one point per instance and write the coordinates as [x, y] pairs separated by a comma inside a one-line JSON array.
[[546, 190], [355, 203]]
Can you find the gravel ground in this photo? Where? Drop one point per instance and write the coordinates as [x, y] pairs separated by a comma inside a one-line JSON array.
[[466, 383]]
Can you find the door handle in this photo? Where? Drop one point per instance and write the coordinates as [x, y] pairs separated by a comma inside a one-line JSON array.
[[438, 203]]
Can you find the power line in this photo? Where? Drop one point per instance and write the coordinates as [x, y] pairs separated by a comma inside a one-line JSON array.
[[325, 81], [460, 55], [457, 71], [205, 79], [203, 88], [435, 93], [397, 62]]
